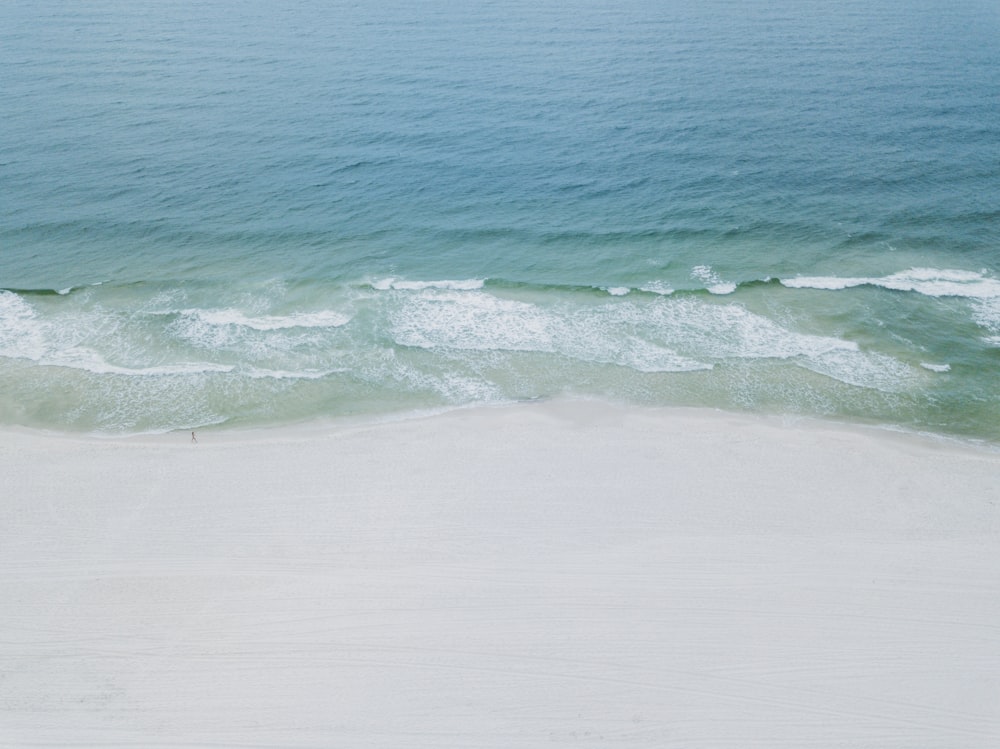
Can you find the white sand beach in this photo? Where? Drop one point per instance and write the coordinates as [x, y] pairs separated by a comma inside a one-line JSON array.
[[569, 573]]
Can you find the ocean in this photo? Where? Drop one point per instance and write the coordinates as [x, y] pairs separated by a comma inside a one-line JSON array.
[[240, 214]]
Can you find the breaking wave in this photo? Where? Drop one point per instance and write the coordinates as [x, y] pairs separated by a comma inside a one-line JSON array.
[[926, 281]]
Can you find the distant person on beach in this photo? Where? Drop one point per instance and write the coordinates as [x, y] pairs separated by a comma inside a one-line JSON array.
[[193, 438]]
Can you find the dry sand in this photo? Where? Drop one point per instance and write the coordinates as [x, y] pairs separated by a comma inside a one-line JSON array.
[[573, 574]]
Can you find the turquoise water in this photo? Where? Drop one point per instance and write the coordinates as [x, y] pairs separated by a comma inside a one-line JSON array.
[[254, 213]]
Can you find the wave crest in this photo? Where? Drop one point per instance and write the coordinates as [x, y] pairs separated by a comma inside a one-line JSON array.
[[396, 284], [927, 281]]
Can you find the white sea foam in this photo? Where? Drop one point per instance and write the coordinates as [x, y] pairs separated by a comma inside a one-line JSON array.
[[713, 282], [470, 321], [986, 313], [936, 367], [254, 337], [668, 336], [21, 331], [657, 287], [722, 288], [257, 373], [926, 281], [724, 331], [98, 341], [825, 282], [618, 290], [58, 342], [868, 370], [731, 332], [91, 361], [639, 354], [482, 322], [386, 284], [619, 334], [462, 389], [454, 387], [321, 319]]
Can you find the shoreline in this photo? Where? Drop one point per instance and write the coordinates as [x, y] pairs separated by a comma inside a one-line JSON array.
[[323, 426], [570, 571]]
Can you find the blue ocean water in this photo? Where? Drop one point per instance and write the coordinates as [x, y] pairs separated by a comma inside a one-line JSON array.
[[244, 213]]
